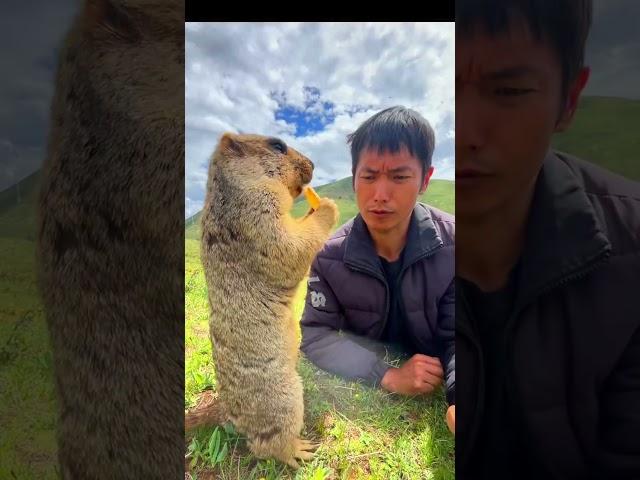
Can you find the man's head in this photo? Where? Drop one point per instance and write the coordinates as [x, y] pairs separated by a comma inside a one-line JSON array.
[[519, 74], [391, 165]]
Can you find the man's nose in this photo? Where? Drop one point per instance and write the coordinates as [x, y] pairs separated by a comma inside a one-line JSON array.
[[381, 193], [471, 123]]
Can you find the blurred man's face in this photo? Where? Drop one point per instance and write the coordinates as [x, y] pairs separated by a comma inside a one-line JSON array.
[[387, 186], [508, 105]]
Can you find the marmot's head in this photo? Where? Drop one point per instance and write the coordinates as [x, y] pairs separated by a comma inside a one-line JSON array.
[[124, 40], [254, 157]]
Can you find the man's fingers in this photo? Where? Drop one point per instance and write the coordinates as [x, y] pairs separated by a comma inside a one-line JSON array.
[[451, 418], [429, 368], [435, 370], [426, 360], [430, 379]]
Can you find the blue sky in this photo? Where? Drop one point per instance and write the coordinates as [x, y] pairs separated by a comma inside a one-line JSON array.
[[312, 84]]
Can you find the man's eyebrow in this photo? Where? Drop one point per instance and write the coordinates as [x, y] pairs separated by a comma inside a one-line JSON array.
[[512, 72], [401, 169], [370, 170]]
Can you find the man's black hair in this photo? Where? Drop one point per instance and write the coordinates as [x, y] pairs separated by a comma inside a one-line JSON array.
[[564, 24], [389, 131]]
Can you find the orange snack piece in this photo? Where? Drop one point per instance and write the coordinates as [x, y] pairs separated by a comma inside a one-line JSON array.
[[312, 197]]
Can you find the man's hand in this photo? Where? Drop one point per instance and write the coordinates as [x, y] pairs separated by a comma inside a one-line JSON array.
[[418, 375], [451, 418]]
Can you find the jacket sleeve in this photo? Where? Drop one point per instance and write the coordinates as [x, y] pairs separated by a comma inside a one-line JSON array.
[[620, 417], [446, 334], [335, 351]]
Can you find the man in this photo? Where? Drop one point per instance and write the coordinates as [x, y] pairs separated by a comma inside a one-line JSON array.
[[548, 258], [385, 278]]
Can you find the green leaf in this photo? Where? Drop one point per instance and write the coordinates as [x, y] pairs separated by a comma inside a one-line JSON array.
[[214, 444], [222, 454]]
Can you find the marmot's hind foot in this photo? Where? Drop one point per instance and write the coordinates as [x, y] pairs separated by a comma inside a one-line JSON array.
[[303, 451]]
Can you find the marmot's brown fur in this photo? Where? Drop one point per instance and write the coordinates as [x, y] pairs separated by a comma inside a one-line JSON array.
[[111, 241], [255, 255]]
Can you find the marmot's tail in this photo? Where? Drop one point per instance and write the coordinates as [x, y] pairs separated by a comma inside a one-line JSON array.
[[207, 412]]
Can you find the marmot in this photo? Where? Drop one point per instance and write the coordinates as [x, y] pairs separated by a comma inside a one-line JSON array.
[[254, 256], [111, 241]]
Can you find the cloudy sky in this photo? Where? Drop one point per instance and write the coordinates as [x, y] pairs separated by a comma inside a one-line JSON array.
[[312, 84], [613, 49], [266, 79], [30, 35]]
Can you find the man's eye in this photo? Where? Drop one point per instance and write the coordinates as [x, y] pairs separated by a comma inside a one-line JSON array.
[[366, 177], [401, 177], [512, 92]]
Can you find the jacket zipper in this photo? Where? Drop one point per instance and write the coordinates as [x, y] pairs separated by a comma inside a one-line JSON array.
[[513, 394], [512, 390], [480, 391], [362, 269]]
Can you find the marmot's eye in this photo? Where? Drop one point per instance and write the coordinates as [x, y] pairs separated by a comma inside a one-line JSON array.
[[278, 145]]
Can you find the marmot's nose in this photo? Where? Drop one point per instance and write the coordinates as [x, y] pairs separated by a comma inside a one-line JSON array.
[[312, 165]]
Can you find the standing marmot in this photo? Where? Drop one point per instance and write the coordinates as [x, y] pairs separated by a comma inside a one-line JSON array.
[[255, 255], [111, 241]]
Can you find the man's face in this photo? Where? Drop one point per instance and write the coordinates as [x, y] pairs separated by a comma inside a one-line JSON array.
[[508, 105], [387, 186]]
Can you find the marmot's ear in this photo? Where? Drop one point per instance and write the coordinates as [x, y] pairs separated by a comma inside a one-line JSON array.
[[229, 143], [105, 16]]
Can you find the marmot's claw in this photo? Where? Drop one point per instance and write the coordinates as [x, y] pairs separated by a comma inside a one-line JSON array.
[[308, 445]]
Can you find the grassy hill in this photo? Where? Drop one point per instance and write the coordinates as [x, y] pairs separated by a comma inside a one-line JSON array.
[[605, 132], [362, 437], [17, 208], [27, 395], [364, 432], [440, 194]]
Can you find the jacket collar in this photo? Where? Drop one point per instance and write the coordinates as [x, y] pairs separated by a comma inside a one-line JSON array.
[[564, 237], [422, 238]]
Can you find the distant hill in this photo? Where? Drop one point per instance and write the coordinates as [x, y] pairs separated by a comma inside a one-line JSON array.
[[18, 208], [605, 132], [440, 194]]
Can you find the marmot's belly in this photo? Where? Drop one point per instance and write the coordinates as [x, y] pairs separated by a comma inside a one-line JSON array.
[[246, 270], [252, 396]]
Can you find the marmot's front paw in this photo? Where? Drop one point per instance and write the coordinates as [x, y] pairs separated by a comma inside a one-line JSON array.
[[329, 208]]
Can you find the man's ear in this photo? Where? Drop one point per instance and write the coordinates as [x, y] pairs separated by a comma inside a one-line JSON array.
[[104, 16], [229, 143], [573, 96], [425, 180]]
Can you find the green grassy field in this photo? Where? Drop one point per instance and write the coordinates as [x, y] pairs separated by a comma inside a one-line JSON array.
[[364, 433], [27, 395], [605, 132]]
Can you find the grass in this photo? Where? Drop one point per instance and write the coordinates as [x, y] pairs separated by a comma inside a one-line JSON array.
[[605, 131], [364, 433], [27, 396]]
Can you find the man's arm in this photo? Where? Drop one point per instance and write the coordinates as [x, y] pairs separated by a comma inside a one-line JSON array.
[[340, 353], [446, 333]]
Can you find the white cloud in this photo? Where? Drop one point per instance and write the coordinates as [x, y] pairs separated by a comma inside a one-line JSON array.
[[26, 87], [237, 72]]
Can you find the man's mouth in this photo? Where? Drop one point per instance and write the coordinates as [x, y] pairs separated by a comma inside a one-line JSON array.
[[380, 212], [467, 176]]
